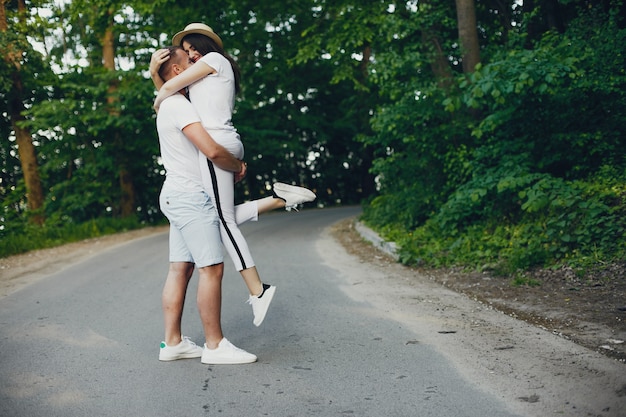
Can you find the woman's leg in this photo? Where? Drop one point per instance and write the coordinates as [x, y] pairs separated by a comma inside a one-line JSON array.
[[268, 204], [221, 187], [250, 210]]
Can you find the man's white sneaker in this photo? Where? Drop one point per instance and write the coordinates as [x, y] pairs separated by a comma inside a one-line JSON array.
[[292, 195], [261, 303], [226, 354], [186, 349]]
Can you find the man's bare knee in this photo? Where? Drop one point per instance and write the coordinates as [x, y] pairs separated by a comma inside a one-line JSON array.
[[181, 269], [212, 271]]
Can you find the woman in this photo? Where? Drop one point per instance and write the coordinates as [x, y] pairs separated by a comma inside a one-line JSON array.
[[212, 82]]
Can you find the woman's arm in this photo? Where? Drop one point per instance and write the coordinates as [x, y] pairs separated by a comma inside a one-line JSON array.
[[184, 79]]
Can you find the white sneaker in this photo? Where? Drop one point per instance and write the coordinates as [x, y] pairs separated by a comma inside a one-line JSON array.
[[186, 349], [261, 303], [226, 354], [292, 195]]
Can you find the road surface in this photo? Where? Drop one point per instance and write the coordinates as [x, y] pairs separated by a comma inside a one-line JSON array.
[[341, 338]]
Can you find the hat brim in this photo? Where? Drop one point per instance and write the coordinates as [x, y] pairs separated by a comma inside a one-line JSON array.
[[178, 38]]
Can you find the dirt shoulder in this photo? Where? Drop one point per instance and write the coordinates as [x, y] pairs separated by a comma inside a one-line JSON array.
[[590, 310], [534, 369]]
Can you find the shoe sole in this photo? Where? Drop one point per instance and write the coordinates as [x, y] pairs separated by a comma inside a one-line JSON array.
[[229, 362], [268, 293], [300, 191], [174, 358]]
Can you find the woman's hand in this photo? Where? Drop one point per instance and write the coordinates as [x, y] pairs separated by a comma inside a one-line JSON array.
[[156, 60]]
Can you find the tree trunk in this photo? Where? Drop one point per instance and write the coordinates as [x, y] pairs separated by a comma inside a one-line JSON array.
[[468, 34], [439, 64], [368, 184], [127, 188], [3, 16], [26, 149]]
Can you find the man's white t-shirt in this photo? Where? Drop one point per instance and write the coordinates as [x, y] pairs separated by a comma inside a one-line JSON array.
[[214, 95], [179, 155]]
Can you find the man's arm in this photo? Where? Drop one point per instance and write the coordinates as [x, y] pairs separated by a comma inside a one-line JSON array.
[[196, 133]]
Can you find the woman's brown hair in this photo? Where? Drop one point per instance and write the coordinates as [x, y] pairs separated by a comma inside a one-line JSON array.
[[203, 44]]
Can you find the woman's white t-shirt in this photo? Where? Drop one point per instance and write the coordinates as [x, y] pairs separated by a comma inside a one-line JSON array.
[[214, 95]]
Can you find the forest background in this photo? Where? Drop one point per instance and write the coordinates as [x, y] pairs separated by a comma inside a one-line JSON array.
[[482, 134]]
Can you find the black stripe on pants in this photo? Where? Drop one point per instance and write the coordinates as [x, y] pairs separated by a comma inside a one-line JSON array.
[[218, 205]]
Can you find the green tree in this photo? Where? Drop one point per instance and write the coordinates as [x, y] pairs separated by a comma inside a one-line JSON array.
[[294, 128], [104, 148], [518, 173], [18, 59]]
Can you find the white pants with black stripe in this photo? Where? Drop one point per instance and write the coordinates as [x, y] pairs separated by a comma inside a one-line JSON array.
[[220, 185]]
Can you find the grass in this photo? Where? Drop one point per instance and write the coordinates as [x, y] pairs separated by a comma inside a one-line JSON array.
[[33, 237]]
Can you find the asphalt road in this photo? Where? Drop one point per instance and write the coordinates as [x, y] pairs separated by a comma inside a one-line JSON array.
[[85, 341]]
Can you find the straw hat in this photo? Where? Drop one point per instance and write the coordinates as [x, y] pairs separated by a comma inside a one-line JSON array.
[[200, 28]]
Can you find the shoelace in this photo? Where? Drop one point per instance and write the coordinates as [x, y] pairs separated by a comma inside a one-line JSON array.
[[188, 340], [250, 300], [255, 307], [230, 346]]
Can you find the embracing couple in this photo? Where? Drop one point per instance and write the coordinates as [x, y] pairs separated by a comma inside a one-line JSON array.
[[202, 154]]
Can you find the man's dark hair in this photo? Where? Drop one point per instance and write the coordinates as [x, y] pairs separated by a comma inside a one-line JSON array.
[[175, 58]]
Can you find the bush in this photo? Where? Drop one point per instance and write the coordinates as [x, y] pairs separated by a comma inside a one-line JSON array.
[[548, 221]]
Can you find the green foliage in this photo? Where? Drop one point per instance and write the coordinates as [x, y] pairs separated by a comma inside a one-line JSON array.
[[530, 164], [80, 159], [91, 125], [517, 164], [341, 30], [295, 128], [520, 221]]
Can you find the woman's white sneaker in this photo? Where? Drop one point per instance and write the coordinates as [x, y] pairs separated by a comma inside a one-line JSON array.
[[292, 195], [226, 354], [261, 303]]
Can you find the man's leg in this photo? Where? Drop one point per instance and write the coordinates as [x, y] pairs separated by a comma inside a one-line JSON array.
[[175, 346], [209, 301], [217, 349], [173, 300]]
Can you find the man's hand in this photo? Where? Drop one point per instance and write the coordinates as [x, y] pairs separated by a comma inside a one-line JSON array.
[[241, 174], [218, 154]]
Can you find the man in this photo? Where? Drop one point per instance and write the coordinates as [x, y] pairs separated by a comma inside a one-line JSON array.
[[194, 228]]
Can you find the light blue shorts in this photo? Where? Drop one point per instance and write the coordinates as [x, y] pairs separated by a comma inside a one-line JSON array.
[[194, 227]]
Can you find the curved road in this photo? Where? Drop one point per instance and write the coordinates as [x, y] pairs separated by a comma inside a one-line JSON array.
[[84, 341]]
